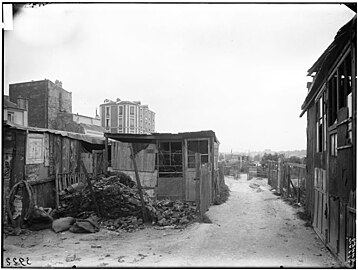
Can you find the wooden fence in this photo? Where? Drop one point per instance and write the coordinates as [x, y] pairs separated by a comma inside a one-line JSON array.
[[289, 179], [204, 189]]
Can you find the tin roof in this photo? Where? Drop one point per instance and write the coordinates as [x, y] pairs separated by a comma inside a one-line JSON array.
[[146, 138], [72, 135], [329, 57]]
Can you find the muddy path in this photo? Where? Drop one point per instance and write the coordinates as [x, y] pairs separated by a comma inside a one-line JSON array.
[[254, 228]]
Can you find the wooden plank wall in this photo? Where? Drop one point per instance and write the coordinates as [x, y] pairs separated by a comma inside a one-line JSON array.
[[62, 156], [205, 188], [121, 158]]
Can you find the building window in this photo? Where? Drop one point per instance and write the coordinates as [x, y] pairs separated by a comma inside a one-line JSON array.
[[131, 123], [120, 110], [340, 90], [333, 145], [107, 111], [10, 117], [321, 123], [170, 158], [201, 147], [120, 122], [131, 110], [107, 123]]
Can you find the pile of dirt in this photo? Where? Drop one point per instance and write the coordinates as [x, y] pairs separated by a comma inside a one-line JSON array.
[[120, 207]]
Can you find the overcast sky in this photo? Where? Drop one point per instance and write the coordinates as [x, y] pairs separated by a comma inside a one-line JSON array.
[[237, 69]]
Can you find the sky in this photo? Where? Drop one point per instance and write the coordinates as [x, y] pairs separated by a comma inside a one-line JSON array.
[[237, 69]]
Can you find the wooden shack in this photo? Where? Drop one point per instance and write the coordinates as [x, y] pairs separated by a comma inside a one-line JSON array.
[[44, 156], [331, 107], [165, 161]]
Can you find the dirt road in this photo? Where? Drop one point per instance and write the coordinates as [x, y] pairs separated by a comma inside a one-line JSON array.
[[254, 228]]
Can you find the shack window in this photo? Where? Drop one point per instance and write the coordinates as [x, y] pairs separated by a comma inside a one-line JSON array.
[[35, 149], [201, 147], [340, 90], [333, 144], [170, 159], [332, 97], [321, 123]]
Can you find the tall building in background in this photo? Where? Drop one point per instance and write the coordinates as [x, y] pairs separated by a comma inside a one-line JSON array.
[[48, 105], [45, 99], [127, 117]]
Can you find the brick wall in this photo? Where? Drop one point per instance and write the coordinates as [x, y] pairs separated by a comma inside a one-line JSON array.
[[36, 93], [59, 100]]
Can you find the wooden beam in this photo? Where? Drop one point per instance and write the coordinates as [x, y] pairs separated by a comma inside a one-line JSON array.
[[105, 158], [197, 181], [91, 188], [139, 186], [57, 192]]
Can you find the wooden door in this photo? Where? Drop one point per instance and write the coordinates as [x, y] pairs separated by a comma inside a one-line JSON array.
[[192, 146], [320, 215]]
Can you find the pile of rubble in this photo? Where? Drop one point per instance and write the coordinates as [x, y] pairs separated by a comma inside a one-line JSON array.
[[120, 207]]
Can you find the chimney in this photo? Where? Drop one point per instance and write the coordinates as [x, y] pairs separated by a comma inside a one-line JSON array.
[[58, 83], [118, 99], [23, 103]]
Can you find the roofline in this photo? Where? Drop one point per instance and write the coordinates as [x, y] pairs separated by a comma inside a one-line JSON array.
[[145, 138], [76, 114], [77, 136], [123, 101], [30, 82], [326, 65]]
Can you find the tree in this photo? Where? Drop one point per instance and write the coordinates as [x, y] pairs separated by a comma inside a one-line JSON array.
[[294, 159]]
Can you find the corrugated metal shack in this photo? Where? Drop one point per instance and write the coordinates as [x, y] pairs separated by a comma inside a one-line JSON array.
[[166, 161], [331, 106], [44, 156]]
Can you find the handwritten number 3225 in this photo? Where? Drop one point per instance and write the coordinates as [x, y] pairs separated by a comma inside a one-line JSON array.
[[18, 261]]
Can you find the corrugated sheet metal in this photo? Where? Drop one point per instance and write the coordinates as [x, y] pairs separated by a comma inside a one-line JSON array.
[[77, 136]]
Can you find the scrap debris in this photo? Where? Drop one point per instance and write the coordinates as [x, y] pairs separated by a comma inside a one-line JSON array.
[[120, 206]]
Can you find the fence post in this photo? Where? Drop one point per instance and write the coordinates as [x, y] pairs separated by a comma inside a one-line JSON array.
[[197, 181], [279, 175], [57, 190], [268, 174], [288, 180], [299, 186]]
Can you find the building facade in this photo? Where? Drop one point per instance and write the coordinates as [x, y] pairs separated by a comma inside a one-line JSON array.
[[127, 117], [91, 126], [16, 112], [46, 100], [49, 106], [331, 107]]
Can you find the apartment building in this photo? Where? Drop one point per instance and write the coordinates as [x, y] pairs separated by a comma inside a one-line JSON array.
[[16, 112], [127, 117]]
